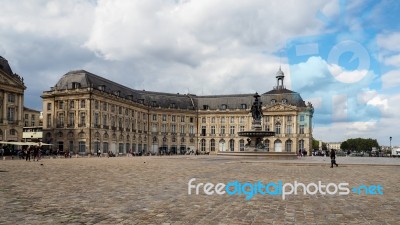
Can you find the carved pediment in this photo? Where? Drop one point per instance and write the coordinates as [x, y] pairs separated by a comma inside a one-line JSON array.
[[281, 108], [7, 81]]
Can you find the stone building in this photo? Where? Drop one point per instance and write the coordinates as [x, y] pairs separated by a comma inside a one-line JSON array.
[[11, 103], [84, 112]]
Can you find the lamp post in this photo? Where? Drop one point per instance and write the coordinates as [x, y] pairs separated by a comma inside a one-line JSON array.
[[390, 148]]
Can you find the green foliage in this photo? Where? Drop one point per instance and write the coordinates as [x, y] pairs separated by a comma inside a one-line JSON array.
[[324, 147], [360, 144], [315, 144]]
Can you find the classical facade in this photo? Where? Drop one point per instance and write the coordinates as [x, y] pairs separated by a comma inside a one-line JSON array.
[[11, 103], [84, 112]]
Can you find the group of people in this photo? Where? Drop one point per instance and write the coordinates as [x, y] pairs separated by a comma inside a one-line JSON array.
[[35, 151]]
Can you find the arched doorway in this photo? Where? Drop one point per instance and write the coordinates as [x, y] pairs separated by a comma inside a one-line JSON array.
[[222, 146], [278, 146]]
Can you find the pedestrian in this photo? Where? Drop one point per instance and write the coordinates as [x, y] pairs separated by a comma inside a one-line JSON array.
[[333, 158], [98, 152], [2, 152], [28, 154]]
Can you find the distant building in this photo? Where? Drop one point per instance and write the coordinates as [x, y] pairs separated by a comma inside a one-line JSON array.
[[84, 112], [11, 103], [333, 145], [33, 125]]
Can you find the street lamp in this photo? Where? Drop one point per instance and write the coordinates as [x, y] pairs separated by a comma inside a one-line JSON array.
[[390, 149]]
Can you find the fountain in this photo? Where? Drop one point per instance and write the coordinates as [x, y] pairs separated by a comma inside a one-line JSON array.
[[255, 146]]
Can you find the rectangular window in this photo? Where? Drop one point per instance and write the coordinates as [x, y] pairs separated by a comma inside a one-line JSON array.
[[71, 147], [213, 129], [191, 119], [241, 128], [33, 117], [26, 116], [232, 130], [289, 129], [222, 130], [173, 128], [301, 117], [232, 119], [182, 119], [48, 120], [173, 118], [277, 129], [222, 119], [289, 118], [301, 129], [71, 119], [182, 129], [241, 120], [83, 104], [33, 123], [164, 117], [96, 119], [104, 119], [191, 129], [10, 114], [104, 106], [82, 119], [164, 128], [212, 119], [72, 104], [61, 120], [154, 117], [11, 98], [154, 127], [61, 104], [120, 122], [49, 106], [96, 104], [203, 130]]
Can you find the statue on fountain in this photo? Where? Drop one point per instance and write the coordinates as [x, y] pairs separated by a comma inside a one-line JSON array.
[[256, 110]]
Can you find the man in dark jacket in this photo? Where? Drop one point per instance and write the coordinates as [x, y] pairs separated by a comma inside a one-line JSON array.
[[333, 158]]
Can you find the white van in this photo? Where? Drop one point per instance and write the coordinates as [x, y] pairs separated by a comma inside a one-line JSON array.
[[396, 152]]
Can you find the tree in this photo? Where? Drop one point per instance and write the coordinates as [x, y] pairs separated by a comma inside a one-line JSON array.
[[360, 144], [315, 144], [324, 147]]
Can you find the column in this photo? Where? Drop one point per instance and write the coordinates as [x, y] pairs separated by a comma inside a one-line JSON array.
[[20, 109], [5, 103]]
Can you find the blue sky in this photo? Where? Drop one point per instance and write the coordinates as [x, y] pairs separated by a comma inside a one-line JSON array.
[[342, 56]]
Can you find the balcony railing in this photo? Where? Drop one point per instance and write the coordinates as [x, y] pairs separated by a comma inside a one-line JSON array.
[[71, 125], [81, 125], [106, 127]]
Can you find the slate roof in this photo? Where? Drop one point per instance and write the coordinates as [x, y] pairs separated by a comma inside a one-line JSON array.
[[169, 100]]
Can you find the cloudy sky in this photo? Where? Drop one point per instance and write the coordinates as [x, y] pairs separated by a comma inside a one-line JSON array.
[[343, 56]]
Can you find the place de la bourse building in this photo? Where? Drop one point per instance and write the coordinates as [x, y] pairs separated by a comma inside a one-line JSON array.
[[84, 113]]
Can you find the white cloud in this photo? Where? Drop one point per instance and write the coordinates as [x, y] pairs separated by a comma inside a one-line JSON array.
[[391, 79], [389, 41], [345, 76], [190, 31]]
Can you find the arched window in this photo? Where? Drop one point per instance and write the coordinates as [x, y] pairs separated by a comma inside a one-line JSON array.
[[231, 145], [203, 145], [212, 145], [288, 145], [301, 145], [241, 145]]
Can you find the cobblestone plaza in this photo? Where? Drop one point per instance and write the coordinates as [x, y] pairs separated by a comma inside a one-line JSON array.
[[154, 190]]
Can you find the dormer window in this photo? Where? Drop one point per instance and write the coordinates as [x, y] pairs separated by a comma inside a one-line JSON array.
[[76, 85], [284, 101], [141, 101], [172, 105], [224, 106], [117, 93], [243, 106], [273, 101], [102, 87], [154, 103], [205, 107], [129, 97]]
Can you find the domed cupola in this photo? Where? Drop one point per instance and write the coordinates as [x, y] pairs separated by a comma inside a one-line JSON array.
[[279, 79]]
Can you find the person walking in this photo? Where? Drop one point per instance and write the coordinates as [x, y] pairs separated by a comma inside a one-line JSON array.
[[333, 158], [28, 154]]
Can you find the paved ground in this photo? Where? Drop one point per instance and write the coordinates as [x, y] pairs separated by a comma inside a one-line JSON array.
[[154, 190]]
